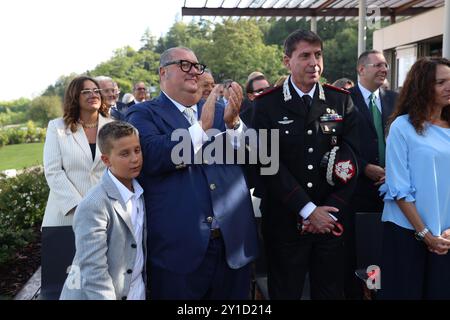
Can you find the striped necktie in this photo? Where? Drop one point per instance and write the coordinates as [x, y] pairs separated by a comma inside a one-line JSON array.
[[190, 115], [377, 121]]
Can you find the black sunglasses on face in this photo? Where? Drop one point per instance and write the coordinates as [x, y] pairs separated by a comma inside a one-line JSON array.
[[186, 66]]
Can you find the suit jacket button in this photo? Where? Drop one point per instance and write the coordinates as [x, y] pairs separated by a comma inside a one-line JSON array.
[[212, 186], [287, 132], [124, 298], [309, 132], [310, 150], [134, 246], [309, 185], [209, 219], [129, 271], [310, 167]]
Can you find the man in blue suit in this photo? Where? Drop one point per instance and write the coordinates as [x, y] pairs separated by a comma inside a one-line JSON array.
[[201, 229]]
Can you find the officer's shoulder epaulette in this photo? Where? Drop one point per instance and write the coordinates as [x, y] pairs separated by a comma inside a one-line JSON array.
[[329, 86], [265, 93]]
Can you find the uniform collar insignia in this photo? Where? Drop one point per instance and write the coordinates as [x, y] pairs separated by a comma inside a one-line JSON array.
[[287, 92], [321, 92]]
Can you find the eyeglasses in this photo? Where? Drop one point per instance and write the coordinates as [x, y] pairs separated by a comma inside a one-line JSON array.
[[378, 65], [91, 92], [186, 66], [141, 89], [108, 91]]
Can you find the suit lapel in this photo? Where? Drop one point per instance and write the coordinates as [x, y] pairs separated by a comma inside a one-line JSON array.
[[169, 112], [363, 108], [101, 122], [385, 103], [118, 204], [81, 139]]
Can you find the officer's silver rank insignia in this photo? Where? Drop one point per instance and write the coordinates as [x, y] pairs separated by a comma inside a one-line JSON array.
[[333, 140], [285, 121]]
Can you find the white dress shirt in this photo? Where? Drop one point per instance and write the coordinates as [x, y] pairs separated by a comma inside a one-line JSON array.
[[135, 208], [198, 135], [366, 94]]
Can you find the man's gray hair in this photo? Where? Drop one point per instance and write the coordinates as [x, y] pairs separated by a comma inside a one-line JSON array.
[[168, 55], [103, 78]]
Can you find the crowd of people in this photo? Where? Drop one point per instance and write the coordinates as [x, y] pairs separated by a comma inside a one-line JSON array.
[[139, 225]]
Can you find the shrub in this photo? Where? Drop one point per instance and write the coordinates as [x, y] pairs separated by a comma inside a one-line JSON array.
[[3, 139], [22, 205], [16, 136], [29, 134]]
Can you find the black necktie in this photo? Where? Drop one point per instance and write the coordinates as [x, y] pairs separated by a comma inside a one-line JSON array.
[[307, 101]]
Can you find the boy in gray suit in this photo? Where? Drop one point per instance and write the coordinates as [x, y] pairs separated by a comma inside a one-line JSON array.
[[109, 225]]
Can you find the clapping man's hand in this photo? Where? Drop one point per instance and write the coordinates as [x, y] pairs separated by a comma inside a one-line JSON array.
[[232, 109]]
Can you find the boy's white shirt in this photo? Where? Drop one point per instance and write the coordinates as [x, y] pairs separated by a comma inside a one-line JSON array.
[[135, 208]]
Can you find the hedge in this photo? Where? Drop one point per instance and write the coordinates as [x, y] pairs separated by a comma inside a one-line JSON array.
[[22, 205]]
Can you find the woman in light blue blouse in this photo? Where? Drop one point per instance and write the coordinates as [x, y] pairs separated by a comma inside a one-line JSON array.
[[416, 215]]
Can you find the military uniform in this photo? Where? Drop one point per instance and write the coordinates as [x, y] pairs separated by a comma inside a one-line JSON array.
[[307, 141]]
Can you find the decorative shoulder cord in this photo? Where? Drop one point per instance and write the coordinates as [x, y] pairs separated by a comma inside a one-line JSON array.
[[330, 165]]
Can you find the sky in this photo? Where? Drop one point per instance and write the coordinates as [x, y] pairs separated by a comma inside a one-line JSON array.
[[44, 39]]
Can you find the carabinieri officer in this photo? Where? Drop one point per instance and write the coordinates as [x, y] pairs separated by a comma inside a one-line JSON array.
[[305, 203]]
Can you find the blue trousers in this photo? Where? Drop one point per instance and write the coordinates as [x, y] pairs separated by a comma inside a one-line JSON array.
[[213, 279], [409, 270]]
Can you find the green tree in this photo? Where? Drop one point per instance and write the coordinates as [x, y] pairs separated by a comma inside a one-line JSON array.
[[60, 86], [238, 49], [128, 66], [148, 41], [45, 108], [340, 55]]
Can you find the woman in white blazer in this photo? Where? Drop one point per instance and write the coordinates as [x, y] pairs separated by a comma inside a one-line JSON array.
[[72, 165]]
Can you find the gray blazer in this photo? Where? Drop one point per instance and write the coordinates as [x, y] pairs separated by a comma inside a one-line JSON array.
[[105, 246]]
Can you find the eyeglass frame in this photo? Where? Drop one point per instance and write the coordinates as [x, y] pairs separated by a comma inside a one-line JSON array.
[[91, 92], [110, 90], [379, 65], [196, 65]]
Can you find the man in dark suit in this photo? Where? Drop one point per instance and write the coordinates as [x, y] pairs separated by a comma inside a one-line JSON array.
[[374, 105], [107, 85], [140, 92], [256, 84], [306, 202], [201, 229], [372, 70]]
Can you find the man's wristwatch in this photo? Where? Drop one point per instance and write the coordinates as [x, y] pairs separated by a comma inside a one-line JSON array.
[[421, 234]]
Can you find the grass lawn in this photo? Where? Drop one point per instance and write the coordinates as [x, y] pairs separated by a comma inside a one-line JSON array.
[[19, 156]]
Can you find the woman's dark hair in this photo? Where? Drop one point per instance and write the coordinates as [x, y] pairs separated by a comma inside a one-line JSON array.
[[417, 96], [72, 102]]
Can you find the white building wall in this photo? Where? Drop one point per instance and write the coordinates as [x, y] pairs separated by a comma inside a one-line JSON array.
[[426, 25]]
